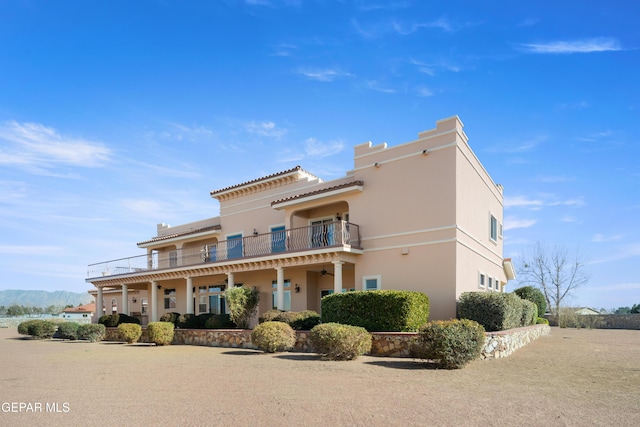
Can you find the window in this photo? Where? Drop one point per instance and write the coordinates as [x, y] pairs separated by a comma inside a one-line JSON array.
[[173, 259], [202, 304], [497, 284], [489, 283], [481, 281], [145, 305], [371, 283], [500, 230], [493, 228], [322, 233], [287, 295], [169, 298]]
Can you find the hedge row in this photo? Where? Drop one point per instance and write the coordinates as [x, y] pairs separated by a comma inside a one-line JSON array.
[[200, 321], [377, 311], [497, 311], [113, 320], [299, 320]]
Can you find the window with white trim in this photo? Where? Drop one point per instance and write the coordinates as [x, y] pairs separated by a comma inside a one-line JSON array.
[[493, 228], [371, 283], [169, 299], [489, 283], [481, 281]]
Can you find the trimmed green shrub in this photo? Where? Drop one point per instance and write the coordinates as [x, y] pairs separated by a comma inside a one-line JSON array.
[[340, 342], [219, 321], [542, 321], [306, 320], [273, 337], [299, 320], [113, 320], [451, 343], [130, 332], [529, 312], [495, 311], [170, 317], [38, 328], [161, 333], [534, 295], [91, 332], [391, 311], [269, 316], [243, 304], [23, 327], [187, 321], [67, 331]]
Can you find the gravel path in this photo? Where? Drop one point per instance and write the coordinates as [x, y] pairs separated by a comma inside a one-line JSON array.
[[569, 378]]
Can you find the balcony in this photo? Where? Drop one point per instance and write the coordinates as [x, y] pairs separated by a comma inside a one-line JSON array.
[[338, 234]]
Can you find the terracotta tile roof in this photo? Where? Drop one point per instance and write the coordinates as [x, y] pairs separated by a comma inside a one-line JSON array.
[[323, 190], [264, 178], [184, 233], [87, 308]]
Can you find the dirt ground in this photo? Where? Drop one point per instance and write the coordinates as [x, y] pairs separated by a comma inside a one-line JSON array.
[[569, 378]]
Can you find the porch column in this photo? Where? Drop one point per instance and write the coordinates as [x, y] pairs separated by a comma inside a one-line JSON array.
[[99, 306], [125, 299], [280, 288], [337, 278], [153, 301], [230, 282], [190, 295]]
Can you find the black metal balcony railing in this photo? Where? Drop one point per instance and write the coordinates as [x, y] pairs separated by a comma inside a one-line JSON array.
[[335, 234]]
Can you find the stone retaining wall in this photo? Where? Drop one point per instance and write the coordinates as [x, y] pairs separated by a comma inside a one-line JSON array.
[[498, 344], [503, 343]]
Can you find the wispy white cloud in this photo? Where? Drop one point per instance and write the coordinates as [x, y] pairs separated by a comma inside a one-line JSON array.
[[540, 202], [423, 91], [407, 28], [599, 44], [623, 252], [511, 223], [519, 146], [596, 136], [267, 128], [601, 238], [378, 87], [554, 179], [324, 75], [39, 148], [284, 49], [179, 132], [315, 148], [432, 68]]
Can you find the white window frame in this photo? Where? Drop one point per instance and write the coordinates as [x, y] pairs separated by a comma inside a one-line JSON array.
[[482, 280], [490, 282], [377, 278], [493, 229], [287, 292]]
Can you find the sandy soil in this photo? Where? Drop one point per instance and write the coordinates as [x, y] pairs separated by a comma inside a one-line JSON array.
[[569, 378]]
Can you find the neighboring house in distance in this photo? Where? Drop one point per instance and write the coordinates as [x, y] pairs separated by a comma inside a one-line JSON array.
[[586, 311], [82, 312], [422, 216]]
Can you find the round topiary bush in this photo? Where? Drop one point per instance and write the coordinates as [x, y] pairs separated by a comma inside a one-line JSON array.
[[451, 343], [340, 342], [542, 321], [68, 331], [306, 320], [160, 333], [170, 317], [270, 316], [130, 332], [272, 337], [23, 327], [91, 332]]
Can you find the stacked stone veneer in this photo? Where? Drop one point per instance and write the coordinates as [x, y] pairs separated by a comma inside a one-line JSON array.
[[498, 344], [503, 343]]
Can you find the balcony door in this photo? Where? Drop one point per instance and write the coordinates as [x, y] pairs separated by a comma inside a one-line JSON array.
[[322, 233], [234, 246], [278, 239]]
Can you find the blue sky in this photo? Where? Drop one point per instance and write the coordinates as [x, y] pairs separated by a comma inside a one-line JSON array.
[[116, 116]]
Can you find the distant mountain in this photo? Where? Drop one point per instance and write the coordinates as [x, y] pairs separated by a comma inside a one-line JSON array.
[[43, 298]]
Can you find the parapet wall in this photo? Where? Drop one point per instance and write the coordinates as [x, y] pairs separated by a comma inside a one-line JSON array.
[[390, 344]]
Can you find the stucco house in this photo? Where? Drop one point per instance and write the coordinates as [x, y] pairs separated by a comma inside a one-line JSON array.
[[423, 216], [80, 313]]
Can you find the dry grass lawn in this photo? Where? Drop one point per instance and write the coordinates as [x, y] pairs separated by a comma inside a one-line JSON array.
[[569, 378]]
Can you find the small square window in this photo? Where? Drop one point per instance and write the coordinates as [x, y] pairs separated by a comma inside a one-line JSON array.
[[371, 283], [481, 281]]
